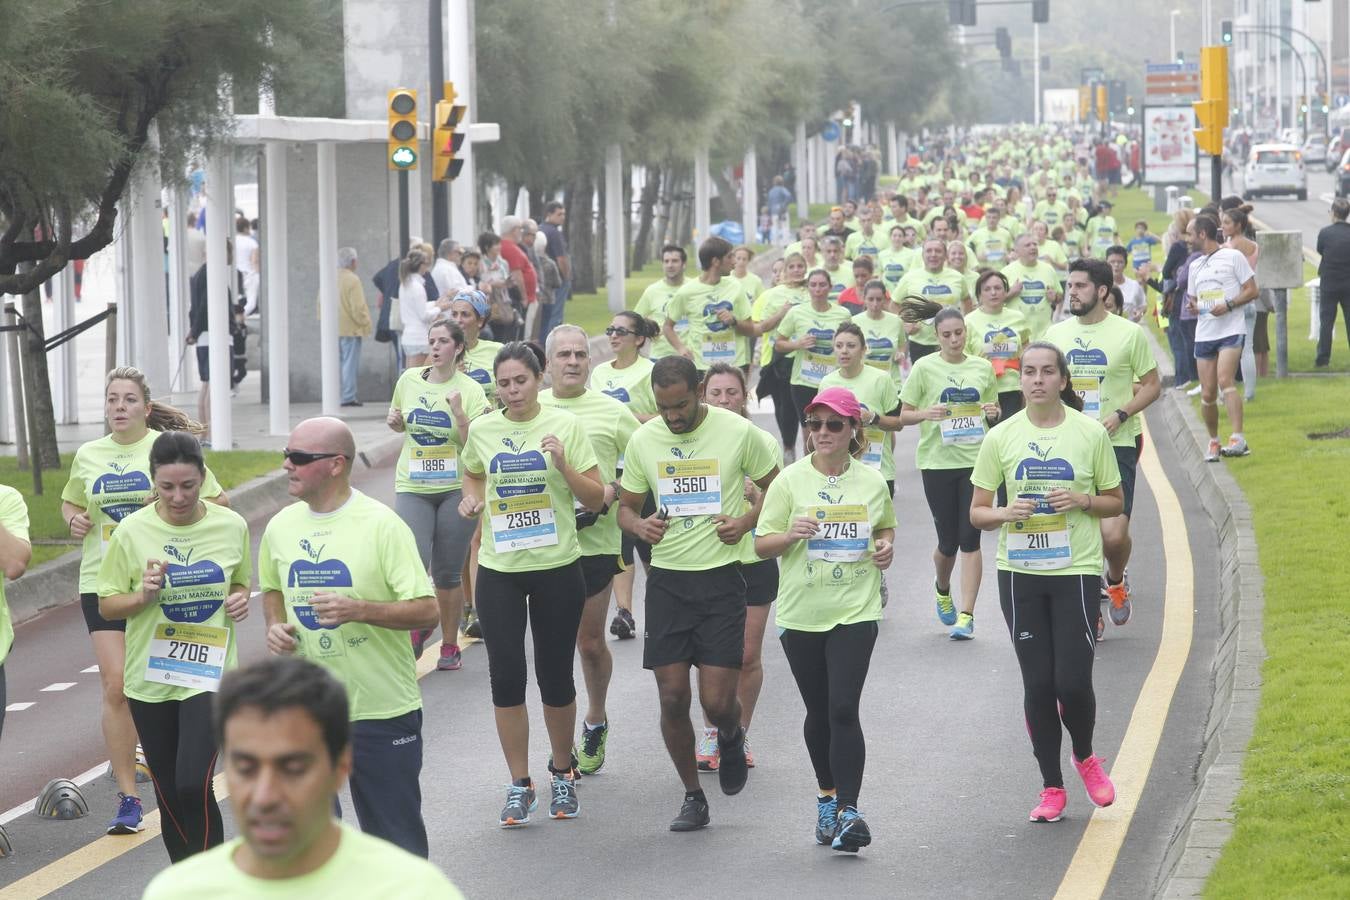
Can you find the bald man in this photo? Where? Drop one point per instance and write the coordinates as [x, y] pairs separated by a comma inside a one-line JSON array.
[[342, 586]]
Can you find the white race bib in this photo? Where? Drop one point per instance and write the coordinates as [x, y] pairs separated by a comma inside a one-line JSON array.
[[876, 440], [523, 522], [717, 350], [964, 424], [1040, 543], [433, 465], [1089, 387], [815, 366], [1205, 301], [690, 487], [188, 655], [843, 533]]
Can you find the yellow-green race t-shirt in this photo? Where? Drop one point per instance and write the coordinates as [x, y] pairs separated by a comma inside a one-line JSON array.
[[14, 519], [528, 519], [362, 866], [999, 338], [1105, 360], [652, 305], [954, 441], [428, 463], [478, 365], [696, 476], [180, 646], [1031, 302], [768, 305], [361, 550], [708, 338], [111, 481], [609, 425], [876, 391], [1074, 455], [809, 366], [947, 287], [631, 385], [828, 580], [885, 337]]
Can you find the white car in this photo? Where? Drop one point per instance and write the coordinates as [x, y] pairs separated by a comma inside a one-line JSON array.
[[1315, 150], [1275, 169]]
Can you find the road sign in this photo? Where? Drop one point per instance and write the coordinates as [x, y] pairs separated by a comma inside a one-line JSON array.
[[830, 132], [1172, 81], [1092, 74]]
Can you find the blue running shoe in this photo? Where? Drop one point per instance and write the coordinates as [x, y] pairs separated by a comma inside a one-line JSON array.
[[964, 629], [852, 833], [827, 817], [128, 818], [946, 609], [520, 802]]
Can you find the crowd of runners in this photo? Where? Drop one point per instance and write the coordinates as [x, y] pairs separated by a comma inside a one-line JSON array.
[[984, 300]]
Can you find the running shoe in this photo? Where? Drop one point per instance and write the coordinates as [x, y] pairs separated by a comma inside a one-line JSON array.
[[946, 609], [707, 754], [622, 626], [749, 757], [1051, 807], [1100, 790], [1212, 452], [732, 770], [827, 817], [565, 804], [1101, 626], [128, 818], [473, 629], [591, 754], [964, 629], [1119, 595], [852, 833], [1237, 446], [451, 660], [1195, 391], [693, 815], [520, 802], [419, 640]]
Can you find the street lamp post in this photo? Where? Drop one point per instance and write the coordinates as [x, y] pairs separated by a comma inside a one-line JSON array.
[[1173, 31]]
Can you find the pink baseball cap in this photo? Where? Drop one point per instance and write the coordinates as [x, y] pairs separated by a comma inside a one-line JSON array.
[[838, 399]]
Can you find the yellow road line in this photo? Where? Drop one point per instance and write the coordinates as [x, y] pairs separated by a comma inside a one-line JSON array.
[[61, 872], [1095, 858]]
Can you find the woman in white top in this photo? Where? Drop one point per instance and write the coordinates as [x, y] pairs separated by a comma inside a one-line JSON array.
[[415, 310]]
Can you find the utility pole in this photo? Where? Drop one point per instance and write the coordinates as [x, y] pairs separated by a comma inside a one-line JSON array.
[[440, 196]]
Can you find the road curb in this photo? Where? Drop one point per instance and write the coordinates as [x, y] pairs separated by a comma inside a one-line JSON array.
[[1207, 822], [55, 583]]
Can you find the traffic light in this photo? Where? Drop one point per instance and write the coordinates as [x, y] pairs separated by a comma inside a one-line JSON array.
[[445, 141], [1084, 102], [1003, 41], [1040, 11], [961, 12], [1103, 111], [1226, 31], [1129, 106], [402, 136], [1211, 112]]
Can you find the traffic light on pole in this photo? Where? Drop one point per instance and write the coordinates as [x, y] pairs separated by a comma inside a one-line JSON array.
[[1226, 31], [402, 135], [445, 140], [1129, 106], [1211, 111], [1040, 11], [1084, 102], [1103, 111], [1209, 134]]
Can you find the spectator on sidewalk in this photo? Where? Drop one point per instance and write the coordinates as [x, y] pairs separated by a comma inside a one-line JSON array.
[[353, 324], [449, 280], [246, 252], [1333, 243], [779, 199], [555, 215], [550, 281], [199, 337]]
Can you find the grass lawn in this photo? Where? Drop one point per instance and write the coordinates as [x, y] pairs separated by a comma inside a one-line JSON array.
[[48, 530], [1292, 836]]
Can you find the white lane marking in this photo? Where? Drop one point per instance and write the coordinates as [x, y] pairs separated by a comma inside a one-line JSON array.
[[18, 707], [90, 670], [60, 686], [80, 780]]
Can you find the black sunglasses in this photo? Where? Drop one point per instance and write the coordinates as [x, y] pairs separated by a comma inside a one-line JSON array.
[[304, 458], [833, 426], [616, 330]]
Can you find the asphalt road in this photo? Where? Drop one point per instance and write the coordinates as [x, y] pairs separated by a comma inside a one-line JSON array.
[[949, 781], [1289, 213]]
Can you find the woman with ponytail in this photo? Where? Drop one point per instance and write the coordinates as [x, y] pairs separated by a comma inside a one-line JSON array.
[[1061, 475], [109, 480]]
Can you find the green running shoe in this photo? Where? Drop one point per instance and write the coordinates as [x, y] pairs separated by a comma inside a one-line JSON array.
[[964, 629], [591, 753], [946, 609]]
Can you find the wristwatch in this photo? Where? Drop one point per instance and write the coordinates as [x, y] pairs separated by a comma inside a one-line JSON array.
[[1123, 415]]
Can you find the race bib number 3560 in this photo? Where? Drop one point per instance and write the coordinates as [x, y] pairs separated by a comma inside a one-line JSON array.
[[690, 487]]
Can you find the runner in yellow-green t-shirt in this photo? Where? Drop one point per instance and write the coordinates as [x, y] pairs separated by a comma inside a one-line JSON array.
[[807, 334], [830, 519], [284, 720], [432, 406], [1061, 476], [998, 333], [936, 281], [884, 331], [656, 298], [15, 553], [953, 398], [876, 393], [469, 310], [716, 308], [1033, 286], [179, 572], [342, 586]]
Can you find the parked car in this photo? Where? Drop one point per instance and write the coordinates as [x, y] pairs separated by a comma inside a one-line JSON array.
[[1315, 149], [1343, 175], [1335, 150], [1275, 169]]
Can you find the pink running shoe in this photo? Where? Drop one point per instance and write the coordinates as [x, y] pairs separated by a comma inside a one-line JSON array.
[[1051, 808], [1100, 790]]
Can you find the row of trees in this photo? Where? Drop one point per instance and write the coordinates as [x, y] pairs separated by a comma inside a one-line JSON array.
[[663, 79]]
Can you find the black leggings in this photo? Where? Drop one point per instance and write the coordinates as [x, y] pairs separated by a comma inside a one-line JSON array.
[[949, 492], [556, 598], [830, 668], [180, 750], [801, 396], [1050, 620], [785, 412]]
